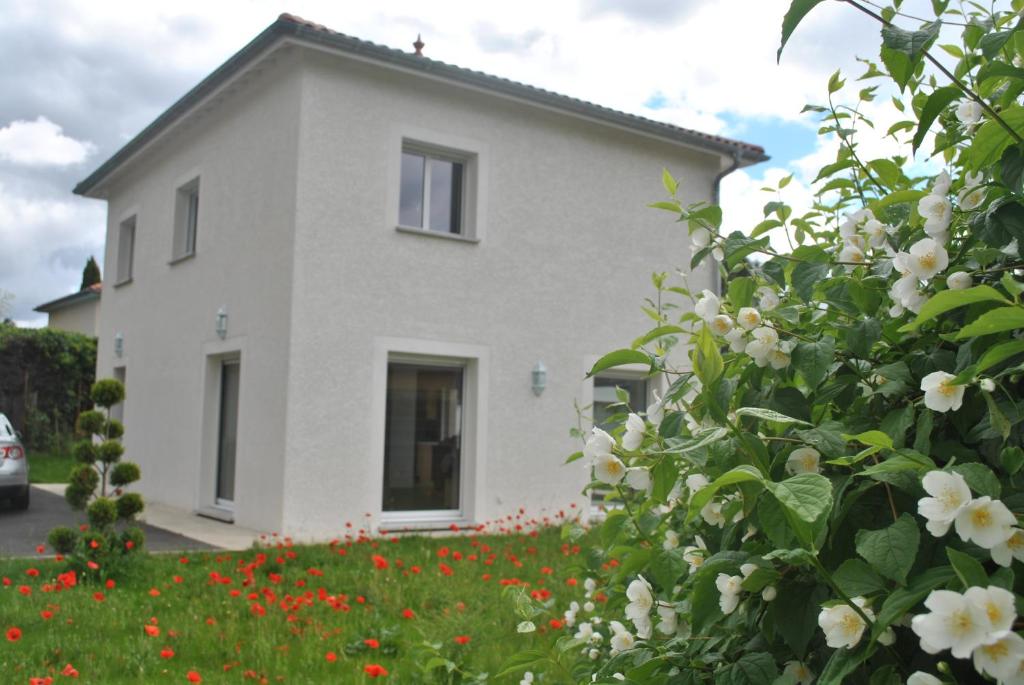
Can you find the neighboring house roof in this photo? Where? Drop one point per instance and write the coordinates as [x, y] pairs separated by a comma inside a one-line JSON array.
[[290, 26], [90, 293]]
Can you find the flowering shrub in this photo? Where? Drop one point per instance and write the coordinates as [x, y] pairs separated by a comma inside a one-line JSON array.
[[96, 485], [829, 488]]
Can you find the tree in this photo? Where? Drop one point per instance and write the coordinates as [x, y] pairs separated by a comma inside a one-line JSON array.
[[91, 274]]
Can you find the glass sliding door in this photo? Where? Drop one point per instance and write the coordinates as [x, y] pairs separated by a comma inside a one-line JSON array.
[[227, 440], [423, 438]]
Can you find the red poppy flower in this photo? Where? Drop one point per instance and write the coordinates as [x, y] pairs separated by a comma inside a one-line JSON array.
[[46, 614], [69, 671], [375, 670], [153, 592], [371, 643], [166, 653], [331, 657], [380, 562], [98, 596], [13, 634], [462, 639], [40, 549], [408, 613], [110, 584], [555, 623], [194, 677], [152, 631]]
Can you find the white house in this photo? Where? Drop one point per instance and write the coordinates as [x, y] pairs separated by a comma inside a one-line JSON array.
[[77, 312], [335, 266]]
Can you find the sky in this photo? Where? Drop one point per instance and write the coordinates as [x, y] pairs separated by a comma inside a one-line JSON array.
[[82, 78]]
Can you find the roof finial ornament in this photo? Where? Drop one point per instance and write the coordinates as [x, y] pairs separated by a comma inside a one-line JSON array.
[[419, 44]]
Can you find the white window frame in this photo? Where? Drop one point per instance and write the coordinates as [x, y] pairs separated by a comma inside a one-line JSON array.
[[186, 220], [475, 362], [126, 264], [473, 155]]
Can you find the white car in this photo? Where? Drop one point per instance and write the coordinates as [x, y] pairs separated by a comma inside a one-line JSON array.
[[13, 466]]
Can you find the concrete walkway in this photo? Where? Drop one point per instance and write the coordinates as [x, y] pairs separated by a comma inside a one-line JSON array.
[[185, 523]]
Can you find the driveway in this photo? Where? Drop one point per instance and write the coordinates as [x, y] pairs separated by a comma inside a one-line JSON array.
[[22, 531]]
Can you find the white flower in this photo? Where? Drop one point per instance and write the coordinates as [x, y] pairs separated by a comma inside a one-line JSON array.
[[767, 298], [803, 460], [749, 318], [638, 478], [985, 522], [640, 599], [747, 569], [852, 255], [656, 411], [1000, 658], [843, 627], [997, 603], [671, 540], [856, 240], [721, 324], [971, 198], [634, 432], [954, 623], [987, 384], [669, 620], [729, 587], [959, 280], [694, 555], [798, 673], [527, 678], [735, 340], [973, 180], [589, 607], [597, 444], [949, 495], [644, 627], [937, 211], [922, 678], [940, 186], [888, 637], [1004, 553], [939, 394], [609, 469], [764, 341], [594, 654], [712, 514], [717, 254], [969, 112], [769, 593], [778, 359], [876, 232], [927, 258], [707, 306], [700, 238], [622, 639], [697, 481], [915, 301]]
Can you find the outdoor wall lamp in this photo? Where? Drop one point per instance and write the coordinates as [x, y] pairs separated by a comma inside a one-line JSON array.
[[119, 344], [540, 378], [221, 324]]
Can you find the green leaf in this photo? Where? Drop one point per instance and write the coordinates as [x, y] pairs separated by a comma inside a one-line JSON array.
[[891, 551], [951, 299], [707, 360], [521, 661], [856, 578], [827, 438], [991, 139], [862, 336], [573, 457], [996, 419], [768, 415], [807, 495], [842, 663], [805, 276], [795, 614], [798, 9], [993, 321], [667, 206], [739, 474], [757, 668], [992, 43], [667, 566], [968, 569], [933, 107], [980, 478], [813, 360], [670, 183], [899, 197], [835, 83], [911, 43], [901, 601], [741, 291], [620, 358], [659, 332], [873, 438]]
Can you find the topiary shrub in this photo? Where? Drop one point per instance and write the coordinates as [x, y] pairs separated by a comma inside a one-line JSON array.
[[96, 486]]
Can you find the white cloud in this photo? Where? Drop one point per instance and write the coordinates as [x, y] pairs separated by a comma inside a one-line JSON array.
[[41, 143]]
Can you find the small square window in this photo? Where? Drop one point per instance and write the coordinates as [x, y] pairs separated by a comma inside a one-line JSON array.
[[186, 220], [433, 191], [125, 250]]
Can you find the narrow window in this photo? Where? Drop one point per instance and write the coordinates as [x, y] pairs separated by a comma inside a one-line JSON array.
[[125, 250], [186, 220], [227, 441], [614, 398], [432, 192], [423, 437]]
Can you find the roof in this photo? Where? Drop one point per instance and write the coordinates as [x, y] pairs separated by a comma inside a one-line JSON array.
[[291, 26], [91, 292]]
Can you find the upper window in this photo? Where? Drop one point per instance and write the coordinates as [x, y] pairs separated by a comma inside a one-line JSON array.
[[432, 195], [125, 250], [186, 219]]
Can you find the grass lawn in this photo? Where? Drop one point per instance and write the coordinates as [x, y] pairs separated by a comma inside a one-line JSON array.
[[49, 467], [290, 614]]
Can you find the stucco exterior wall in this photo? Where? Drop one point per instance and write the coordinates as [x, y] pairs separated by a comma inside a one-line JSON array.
[[244, 151], [558, 275], [80, 317]]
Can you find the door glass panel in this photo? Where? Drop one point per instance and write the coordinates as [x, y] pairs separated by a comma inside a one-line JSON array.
[[229, 377], [410, 201], [423, 438]]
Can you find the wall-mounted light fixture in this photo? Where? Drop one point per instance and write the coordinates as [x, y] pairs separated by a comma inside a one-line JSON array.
[[221, 323], [119, 344], [540, 378]]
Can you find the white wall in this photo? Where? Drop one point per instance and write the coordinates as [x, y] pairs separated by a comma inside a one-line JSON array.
[[79, 317], [559, 276], [244, 150]]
